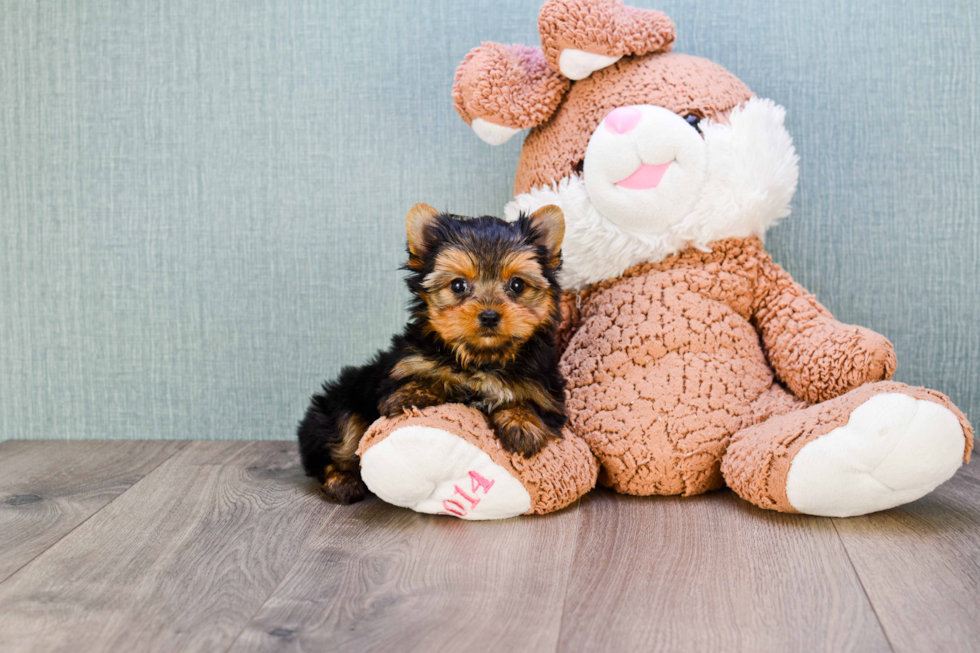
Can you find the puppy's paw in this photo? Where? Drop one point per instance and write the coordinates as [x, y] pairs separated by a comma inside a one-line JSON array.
[[344, 487], [520, 430], [410, 395]]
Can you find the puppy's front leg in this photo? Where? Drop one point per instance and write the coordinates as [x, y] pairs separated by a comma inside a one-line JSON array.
[[412, 394], [520, 429]]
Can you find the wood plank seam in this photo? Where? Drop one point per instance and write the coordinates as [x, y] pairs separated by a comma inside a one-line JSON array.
[[299, 556], [179, 447], [397, 590], [860, 580], [711, 572], [208, 515], [577, 506], [918, 565]]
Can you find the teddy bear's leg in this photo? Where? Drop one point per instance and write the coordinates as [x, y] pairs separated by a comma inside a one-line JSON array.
[[678, 451], [879, 446], [446, 460]]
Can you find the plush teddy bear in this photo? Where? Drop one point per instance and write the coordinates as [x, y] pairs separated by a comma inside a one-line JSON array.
[[692, 360]]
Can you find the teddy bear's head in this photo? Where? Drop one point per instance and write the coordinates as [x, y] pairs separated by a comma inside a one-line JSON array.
[[646, 150]]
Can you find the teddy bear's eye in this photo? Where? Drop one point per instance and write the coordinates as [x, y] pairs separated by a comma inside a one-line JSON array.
[[692, 120]]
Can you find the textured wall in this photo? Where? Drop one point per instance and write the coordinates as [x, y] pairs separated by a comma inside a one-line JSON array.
[[201, 201]]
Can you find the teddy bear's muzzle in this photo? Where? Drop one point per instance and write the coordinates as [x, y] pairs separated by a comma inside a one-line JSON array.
[[645, 167]]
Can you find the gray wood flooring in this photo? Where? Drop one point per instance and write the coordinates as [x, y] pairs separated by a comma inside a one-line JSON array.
[[225, 546]]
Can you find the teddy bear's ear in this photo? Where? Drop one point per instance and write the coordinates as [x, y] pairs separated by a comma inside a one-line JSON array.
[[502, 89], [579, 37]]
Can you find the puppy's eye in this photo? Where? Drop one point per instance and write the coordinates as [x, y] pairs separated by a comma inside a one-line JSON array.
[[459, 286], [693, 120], [516, 285]]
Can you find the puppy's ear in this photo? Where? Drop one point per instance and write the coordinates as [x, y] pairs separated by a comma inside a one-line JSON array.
[[419, 217], [548, 223]]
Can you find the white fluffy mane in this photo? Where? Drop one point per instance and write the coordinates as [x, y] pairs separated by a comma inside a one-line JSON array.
[[752, 175]]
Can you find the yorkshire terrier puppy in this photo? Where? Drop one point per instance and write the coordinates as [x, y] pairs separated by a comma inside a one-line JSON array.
[[484, 317]]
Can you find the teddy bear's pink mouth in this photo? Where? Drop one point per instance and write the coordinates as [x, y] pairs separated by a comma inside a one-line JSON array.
[[646, 176]]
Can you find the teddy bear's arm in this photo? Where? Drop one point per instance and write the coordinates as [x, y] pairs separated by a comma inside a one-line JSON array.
[[814, 355]]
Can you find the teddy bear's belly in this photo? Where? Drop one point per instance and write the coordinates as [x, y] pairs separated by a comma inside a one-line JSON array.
[[657, 384]]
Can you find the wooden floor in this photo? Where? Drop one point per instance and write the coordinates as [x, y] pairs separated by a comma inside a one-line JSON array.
[[225, 546]]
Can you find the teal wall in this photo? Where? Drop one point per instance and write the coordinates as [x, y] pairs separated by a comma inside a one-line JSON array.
[[201, 201]]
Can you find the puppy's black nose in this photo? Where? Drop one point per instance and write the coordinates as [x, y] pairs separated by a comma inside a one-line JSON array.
[[489, 318]]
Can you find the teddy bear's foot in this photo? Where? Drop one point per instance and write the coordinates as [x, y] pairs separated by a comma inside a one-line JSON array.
[[434, 471], [877, 447], [894, 449], [445, 460]]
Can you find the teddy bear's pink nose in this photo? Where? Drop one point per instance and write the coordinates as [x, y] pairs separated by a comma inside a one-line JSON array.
[[623, 119]]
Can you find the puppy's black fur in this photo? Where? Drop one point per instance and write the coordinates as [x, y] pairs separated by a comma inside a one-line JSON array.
[[447, 353]]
